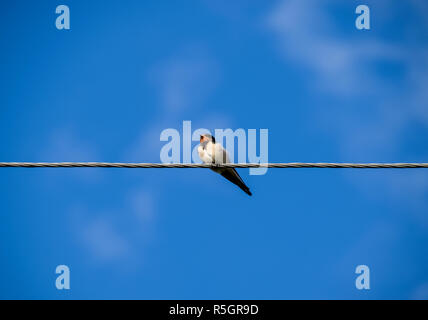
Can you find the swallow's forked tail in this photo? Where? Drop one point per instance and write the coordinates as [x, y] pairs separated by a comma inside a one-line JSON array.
[[234, 177]]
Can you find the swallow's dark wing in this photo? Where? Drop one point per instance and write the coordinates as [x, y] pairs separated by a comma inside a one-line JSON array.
[[233, 176]]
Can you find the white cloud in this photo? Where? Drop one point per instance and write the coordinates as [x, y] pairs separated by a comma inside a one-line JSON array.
[[183, 81], [342, 65], [341, 68], [305, 33], [381, 237], [66, 145], [420, 293], [99, 234], [103, 241], [116, 235], [143, 205]]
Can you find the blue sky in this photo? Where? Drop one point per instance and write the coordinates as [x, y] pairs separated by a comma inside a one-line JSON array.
[[104, 90]]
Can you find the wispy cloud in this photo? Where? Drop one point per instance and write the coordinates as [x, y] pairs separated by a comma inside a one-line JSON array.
[[420, 293], [143, 206], [103, 241], [346, 67], [116, 235], [305, 33], [183, 81], [66, 145], [343, 64]]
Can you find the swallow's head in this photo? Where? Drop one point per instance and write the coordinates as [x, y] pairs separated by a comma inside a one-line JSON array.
[[206, 138]]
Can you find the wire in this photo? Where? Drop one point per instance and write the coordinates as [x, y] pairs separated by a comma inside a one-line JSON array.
[[200, 165]]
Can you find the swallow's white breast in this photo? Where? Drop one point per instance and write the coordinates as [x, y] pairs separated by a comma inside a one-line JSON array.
[[213, 153], [204, 155]]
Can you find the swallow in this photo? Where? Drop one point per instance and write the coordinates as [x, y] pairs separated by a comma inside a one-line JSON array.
[[211, 152]]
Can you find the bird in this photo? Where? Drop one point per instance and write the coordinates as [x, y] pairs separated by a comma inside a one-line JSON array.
[[211, 152]]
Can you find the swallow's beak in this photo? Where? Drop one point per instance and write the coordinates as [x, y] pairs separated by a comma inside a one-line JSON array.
[[201, 138]]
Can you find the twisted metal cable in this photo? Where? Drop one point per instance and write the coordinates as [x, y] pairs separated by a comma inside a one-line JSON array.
[[200, 165]]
